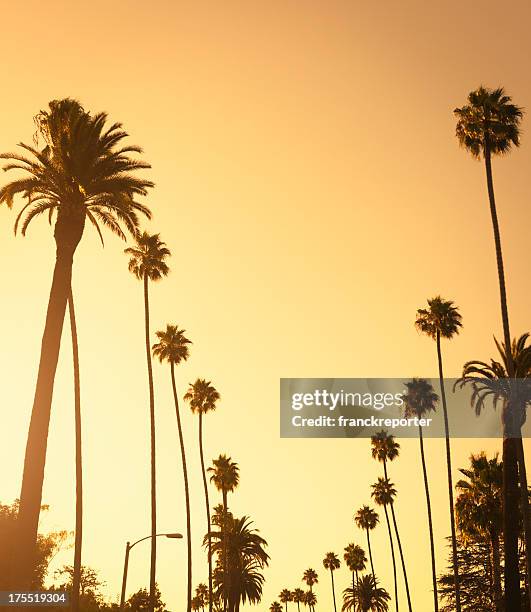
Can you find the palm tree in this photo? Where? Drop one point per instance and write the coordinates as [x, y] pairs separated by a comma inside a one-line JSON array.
[[381, 493], [203, 398], [310, 600], [285, 597], [419, 400], [331, 562], [172, 347], [147, 263], [80, 174], [201, 592], [225, 474], [275, 607], [479, 511], [442, 320], [492, 381], [356, 561], [298, 597], [384, 449], [490, 125], [310, 577], [367, 596], [196, 604], [366, 518]]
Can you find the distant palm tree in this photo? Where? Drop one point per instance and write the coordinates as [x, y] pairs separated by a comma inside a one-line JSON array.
[[366, 597], [81, 173], [419, 400], [225, 474], [147, 263], [442, 320], [384, 449], [285, 597], [298, 597], [366, 518], [310, 600], [196, 604], [381, 493], [491, 381], [203, 398], [479, 511], [356, 561], [172, 347], [331, 562], [201, 592], [275, 607], [490, 125], [310, 577]]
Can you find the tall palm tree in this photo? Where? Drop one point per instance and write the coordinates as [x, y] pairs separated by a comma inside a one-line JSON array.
[[442, 320], [203, 398], [366, 518], [491, 380], [310, 600], [81, 173], [225, 474], [76, 575], [356, 561], [381, 493], [384, 449], [172, 347], [367, 596], [331, 562], [420, 399], [285, 597], [147, 263], [490, 125], [310, 577], [298, 597], [479, 511]]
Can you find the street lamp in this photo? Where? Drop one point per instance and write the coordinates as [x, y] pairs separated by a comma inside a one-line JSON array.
[[128, 547]]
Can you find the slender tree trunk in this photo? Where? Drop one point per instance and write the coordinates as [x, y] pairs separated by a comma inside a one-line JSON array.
[[298, 606], [333, 591], [392, 555], [449, 474], [354, 592], [496, 570], [76, 578], [186, 489], [225, 553], [205, 484], [370, 555], [430, 523], [406, 582], [510, 524], [524, 500], [24, 561], [153, 562]]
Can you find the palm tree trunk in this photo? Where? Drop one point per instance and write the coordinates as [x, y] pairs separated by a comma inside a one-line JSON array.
[[449, 475], [205, 484], [510, 523], [524, 500], [430, 523], [153, 560], [186, 489], [225, 554], [370, 554], [23, 565], [76, 578], [333, 591], [354, 592], [496, 573], [392, 555], [401, 557]]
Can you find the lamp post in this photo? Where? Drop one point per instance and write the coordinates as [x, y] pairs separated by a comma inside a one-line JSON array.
[[128, 547]]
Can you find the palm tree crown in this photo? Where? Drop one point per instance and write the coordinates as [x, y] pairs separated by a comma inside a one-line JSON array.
[[355, 558], [225, 474], [366, 518], [488, 120], [285, 596], [331, 561], [202, 396], [310, 577], [82, 172], [147, 257], [419, 399], [383, 492], [384, 447], [172, 345], [275, 607], [366, 596], [441, 317]]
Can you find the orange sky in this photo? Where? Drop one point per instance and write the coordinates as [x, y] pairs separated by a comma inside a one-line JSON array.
[[313, 194]]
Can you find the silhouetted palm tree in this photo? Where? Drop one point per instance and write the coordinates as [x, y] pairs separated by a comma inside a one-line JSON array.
[[490, 125], [225, 475], [275, 607], [356, 561], [81, 173], [479, 511], [382, 496], [385, 448], [285, 597], [310, 600], [202, 593], [366, 518], [298, 597], [147, 263], [419, 400], [491, 381], [331, 562], [442, 320], [310, 577], [367, 596], [172, 347], [203, 398]]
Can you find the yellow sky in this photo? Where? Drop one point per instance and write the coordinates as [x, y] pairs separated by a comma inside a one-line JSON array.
[[313, 194]]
